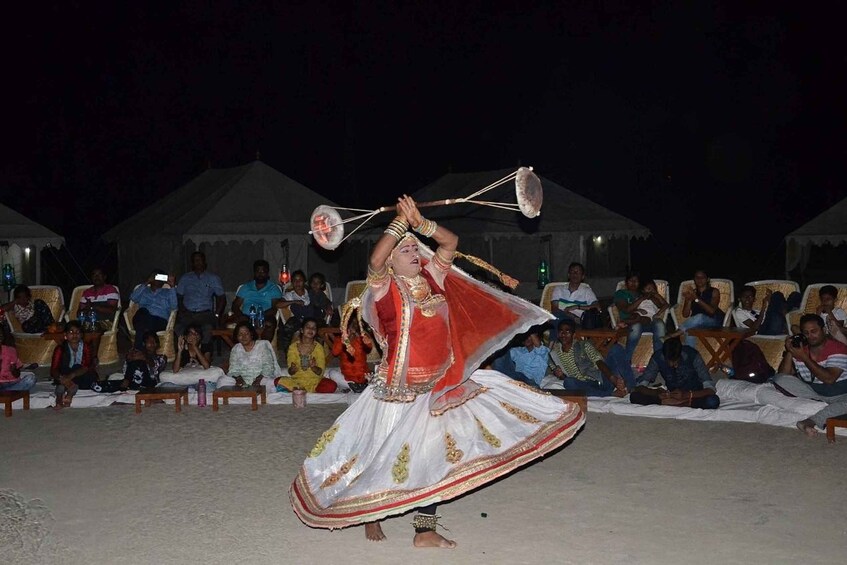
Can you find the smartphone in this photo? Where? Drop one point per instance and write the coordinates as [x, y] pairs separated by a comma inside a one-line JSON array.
[[163, 278]]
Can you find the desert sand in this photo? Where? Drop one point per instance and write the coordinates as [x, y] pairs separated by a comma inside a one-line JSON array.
[[104, 485]]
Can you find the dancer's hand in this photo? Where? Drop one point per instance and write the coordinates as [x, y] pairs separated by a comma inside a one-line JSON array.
[[409, 210]]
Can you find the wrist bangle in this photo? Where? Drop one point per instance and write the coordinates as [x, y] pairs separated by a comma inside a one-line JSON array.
[[426, 228]]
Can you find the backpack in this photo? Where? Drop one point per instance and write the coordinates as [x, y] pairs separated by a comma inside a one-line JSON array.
[[750, 364]]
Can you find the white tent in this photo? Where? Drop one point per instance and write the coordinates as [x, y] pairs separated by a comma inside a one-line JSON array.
[[570, 228], [234, 216], [21, 241], [830, 227]]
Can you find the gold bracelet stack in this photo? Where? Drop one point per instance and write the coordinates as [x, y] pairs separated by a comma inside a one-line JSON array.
[[441, 263], [377, 278], [397, 228], [426, 228]]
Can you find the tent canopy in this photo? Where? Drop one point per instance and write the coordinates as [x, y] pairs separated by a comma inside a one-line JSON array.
[[229, 213], [828, 227], [15, 228]]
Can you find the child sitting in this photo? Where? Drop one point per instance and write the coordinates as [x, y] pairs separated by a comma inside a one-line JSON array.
[[11, 377], [306, 363], [73, 366], [354, 366]]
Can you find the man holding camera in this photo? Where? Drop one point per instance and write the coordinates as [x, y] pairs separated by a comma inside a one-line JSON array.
[[155, 304], [814, 366]]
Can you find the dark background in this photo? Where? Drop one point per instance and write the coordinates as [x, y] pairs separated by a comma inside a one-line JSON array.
[[718, 126]]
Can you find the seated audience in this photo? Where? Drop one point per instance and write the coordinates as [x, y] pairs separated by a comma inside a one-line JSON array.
[[298, 299], [11, 375], [306, 363], [575, 301], [201, 299], [687, 380], [526, 363], [640, 310], [262, 296], [251, 360], [143, 367], [816, 370], [581, 367], [72, 367], [102, 299], [826, 309], [193, 360], [770, 318], [700, 307], [322, 308], [155, 304], [33, 315], [354, 365]]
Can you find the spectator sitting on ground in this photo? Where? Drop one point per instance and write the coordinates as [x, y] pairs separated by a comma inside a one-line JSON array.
[[700, 307], [143, 367], [816, 370], [581, 367], [526, 363], [575, 301], [639, 311], [193, 360], [102, 299], [72, 367], [155, 304], [251, 360], [306, 363], [33, 315], [201, 299], [770, 318], [354, 366], [11, 375], [686, 378], [260, 294]]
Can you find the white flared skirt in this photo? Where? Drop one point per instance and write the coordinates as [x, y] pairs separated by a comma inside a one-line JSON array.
[[384, 458]]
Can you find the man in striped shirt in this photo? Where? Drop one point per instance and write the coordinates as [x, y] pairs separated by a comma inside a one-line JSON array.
[[817, 370]]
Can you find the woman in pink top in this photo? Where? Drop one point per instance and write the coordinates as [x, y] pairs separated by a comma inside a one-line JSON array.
[[11, 377]]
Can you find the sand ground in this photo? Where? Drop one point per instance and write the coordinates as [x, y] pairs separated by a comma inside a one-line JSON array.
[[108, 486]]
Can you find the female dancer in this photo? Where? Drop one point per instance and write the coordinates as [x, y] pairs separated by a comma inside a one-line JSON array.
[[424, 432]]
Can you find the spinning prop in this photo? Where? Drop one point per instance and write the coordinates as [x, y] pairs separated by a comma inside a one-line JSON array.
[[328, 226]]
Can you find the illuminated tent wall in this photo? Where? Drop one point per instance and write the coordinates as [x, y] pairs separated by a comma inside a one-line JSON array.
[[570, 228], [21, 242], [816, 250], [234, 216]]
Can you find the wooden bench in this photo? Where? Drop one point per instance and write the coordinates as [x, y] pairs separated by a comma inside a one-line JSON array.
[[9, 396], [179, 394], [831, 424], [227, 392], [576, 396]]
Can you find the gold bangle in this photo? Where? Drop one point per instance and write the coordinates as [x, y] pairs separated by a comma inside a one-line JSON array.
[[426, 228]]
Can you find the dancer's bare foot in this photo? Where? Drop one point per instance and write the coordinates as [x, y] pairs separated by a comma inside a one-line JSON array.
[[373, 531], [807, 426], [433, 539]]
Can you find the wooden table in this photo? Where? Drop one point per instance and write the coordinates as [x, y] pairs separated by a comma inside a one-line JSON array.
[[602, 339], [7, 397], [227, 392], [59, 337], [726, 339], [831, 424], [176, 393]]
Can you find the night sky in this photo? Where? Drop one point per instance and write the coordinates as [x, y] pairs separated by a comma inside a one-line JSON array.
[[720, 127]]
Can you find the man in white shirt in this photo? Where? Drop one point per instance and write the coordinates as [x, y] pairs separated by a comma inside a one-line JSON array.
[[576, 301]]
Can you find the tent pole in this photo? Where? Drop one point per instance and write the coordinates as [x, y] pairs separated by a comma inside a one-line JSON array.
[[37, 256]]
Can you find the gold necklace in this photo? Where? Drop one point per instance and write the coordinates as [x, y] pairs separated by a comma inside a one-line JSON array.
[[418, 287]]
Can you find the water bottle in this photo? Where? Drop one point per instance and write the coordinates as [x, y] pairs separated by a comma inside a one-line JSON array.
[[201, 393], [261, 316], [253, 315], [727, 370], [92, 315], [80, 317]]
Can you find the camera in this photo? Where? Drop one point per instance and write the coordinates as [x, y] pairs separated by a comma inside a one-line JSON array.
[[799, 340]]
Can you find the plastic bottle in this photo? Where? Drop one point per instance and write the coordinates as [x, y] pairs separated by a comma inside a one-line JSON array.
[[201, 393], [729, 371], [253, 316], [92, 315], [261, 318]]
